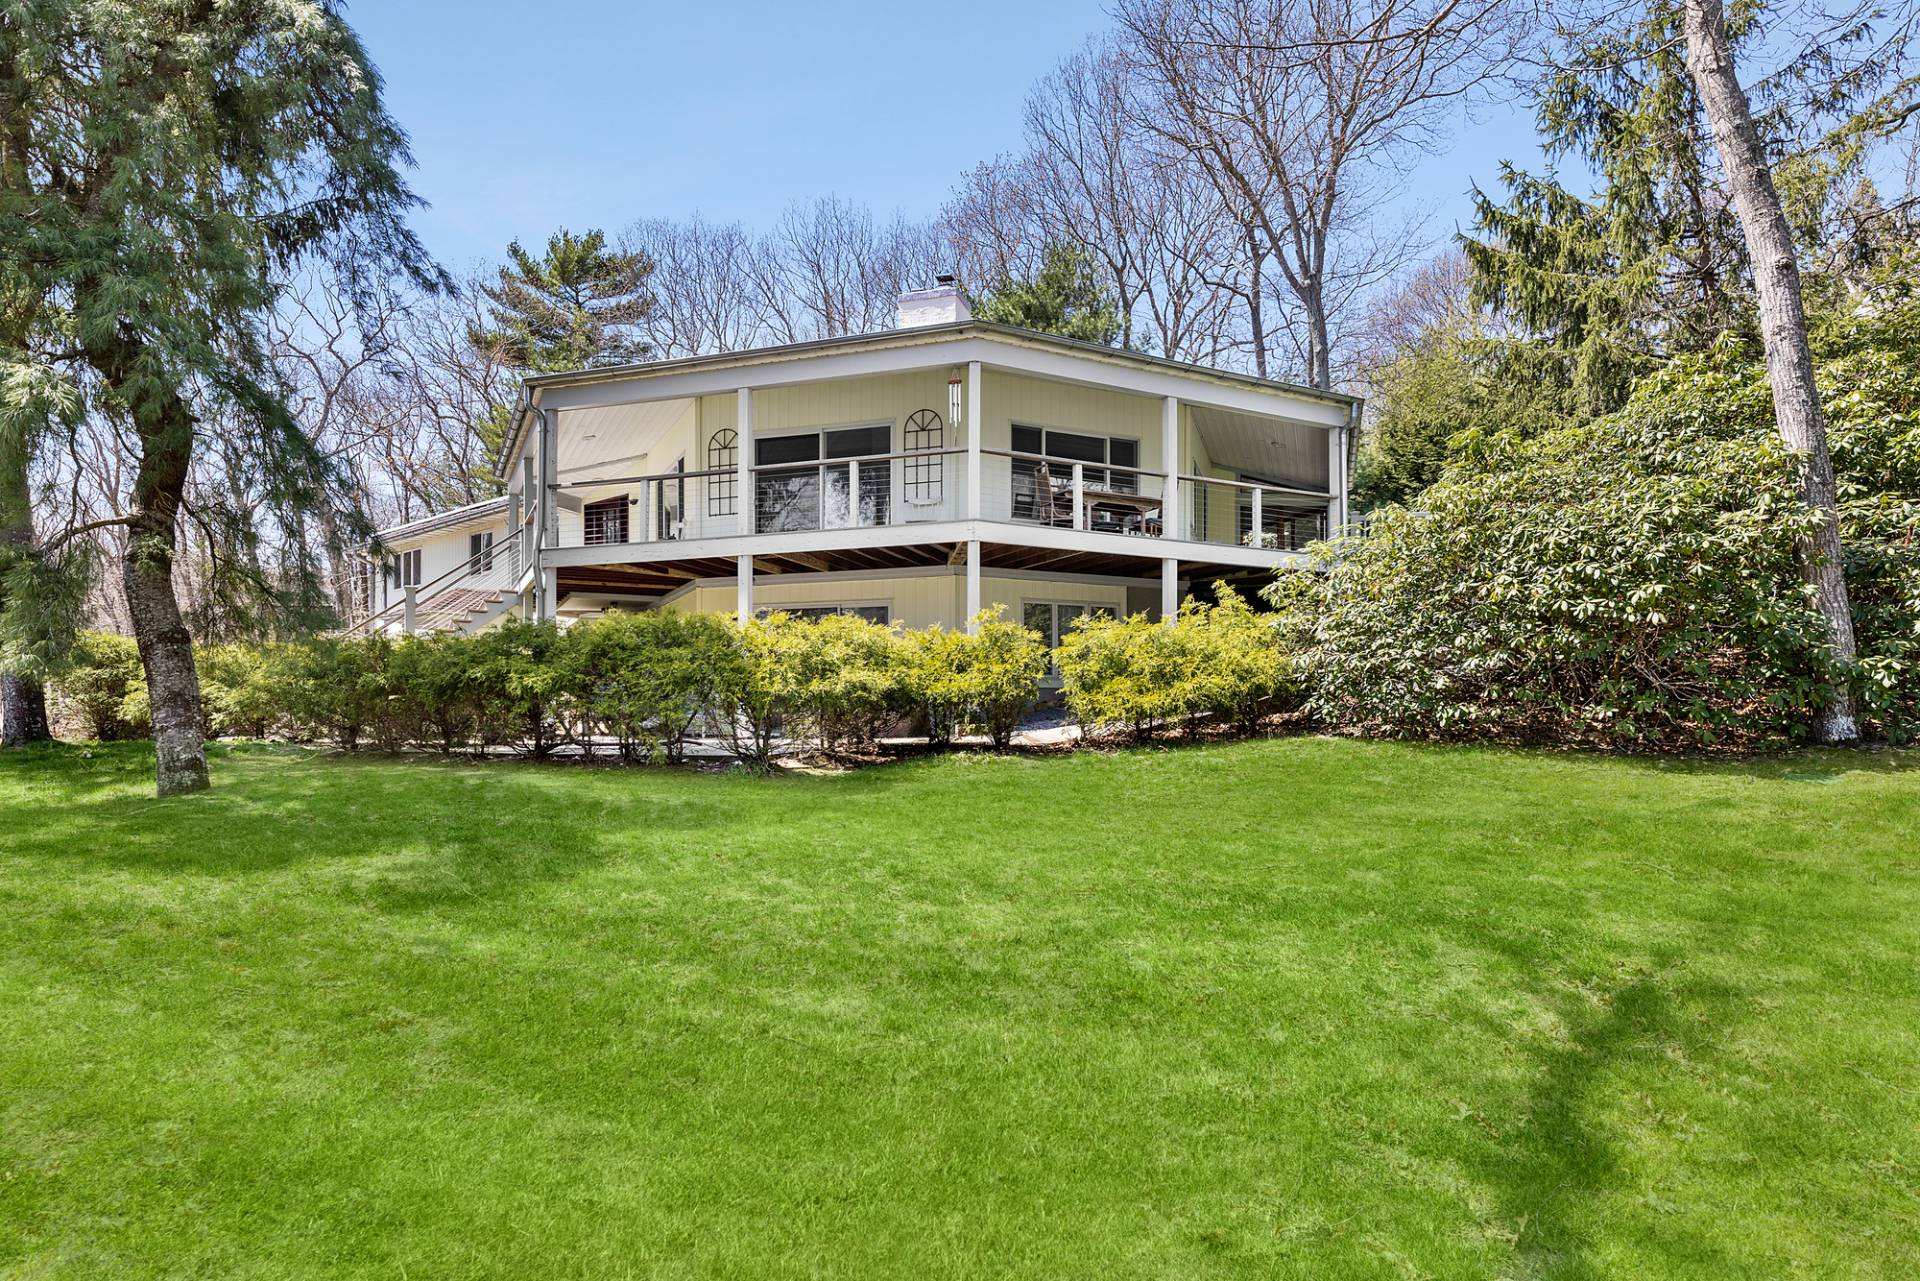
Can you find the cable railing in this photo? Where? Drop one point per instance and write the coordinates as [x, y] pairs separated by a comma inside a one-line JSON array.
[[914, 486], [493, 568]]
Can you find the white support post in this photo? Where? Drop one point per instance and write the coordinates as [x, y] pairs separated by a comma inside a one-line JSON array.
[[976, 428], [743, 461], [1170, 464], [973, 583], [853, 494], [1336, 479], [548, 498], [1079, 496], [513, 535], [409, 613], [743, 595], [1259, 526], [1169, 590]]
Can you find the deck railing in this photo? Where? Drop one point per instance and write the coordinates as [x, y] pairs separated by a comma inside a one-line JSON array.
[[920, 486]]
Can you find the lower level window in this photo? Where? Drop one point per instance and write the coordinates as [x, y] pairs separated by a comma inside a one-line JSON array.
[[605, 521], [872, 613], [1054, 619]]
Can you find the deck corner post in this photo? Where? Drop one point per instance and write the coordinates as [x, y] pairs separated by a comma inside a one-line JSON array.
[[745, 502], [1170, 464], [743, 595], [1169, 591], [409, 609], [976, 428], [973, 584]]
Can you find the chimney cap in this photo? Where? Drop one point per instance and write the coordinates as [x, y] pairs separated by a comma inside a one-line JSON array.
[[943, 280]]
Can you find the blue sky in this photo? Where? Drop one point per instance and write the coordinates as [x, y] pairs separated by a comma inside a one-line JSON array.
[[590, 113]]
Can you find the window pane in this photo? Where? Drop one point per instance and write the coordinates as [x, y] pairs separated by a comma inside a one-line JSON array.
[[787, 501], [857, 442], [1085, 449], [1125, 453], [1026, 440], [1039, 616], [787, 449]]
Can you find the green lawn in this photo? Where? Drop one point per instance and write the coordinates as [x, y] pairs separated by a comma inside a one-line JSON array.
[[1298, 1008]]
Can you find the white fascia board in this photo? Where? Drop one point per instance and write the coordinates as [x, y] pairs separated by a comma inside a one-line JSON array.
[[1087, 369], [986, 531]]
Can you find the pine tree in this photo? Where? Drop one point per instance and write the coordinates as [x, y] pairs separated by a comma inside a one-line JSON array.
[[576, 307], [1650, 264], [180, 158], [1064, 297]]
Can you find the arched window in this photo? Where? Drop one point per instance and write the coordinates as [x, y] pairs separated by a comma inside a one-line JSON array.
[[921, 477], [723, 492]]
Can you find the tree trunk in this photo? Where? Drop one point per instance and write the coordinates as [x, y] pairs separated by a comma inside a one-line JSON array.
[[23, 711], [165, 425], [1783, 327], [23, 701]]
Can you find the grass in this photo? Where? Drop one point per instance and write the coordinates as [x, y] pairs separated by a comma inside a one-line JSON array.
[[1298, 1008]]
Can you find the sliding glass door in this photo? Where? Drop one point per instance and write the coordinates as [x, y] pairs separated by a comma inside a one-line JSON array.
[[797, 495]]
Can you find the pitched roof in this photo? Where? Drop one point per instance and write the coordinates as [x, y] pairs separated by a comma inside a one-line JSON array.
[[448, 519]]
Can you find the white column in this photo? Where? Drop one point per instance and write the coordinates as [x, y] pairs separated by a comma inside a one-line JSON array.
[[1170, 464], [408, 612], [1259, 520], [976, 428], [1079, 496], [1336, 479], [743, 593], [973, 582], [743, 461], [1169, 590], [549, 500]]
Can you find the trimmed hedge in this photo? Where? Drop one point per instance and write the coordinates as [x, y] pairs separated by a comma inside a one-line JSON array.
[[652, 682]]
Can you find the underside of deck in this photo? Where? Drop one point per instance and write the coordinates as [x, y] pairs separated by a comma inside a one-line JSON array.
[[660, 577]]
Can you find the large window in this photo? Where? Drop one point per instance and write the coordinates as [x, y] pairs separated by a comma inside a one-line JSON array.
[[606, 521], [872, 613], [479, 551], [723, 451], [1040, 488], [807, 491], [1054, 619], [404, 570]]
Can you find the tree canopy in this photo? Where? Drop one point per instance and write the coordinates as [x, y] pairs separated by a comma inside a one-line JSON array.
[[1063, 297], [577, 306]]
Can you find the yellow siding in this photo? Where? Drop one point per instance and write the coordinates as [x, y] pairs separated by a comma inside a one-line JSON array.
[[921, 600]]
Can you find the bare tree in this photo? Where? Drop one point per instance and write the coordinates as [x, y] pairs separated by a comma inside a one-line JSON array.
[[1299, 112], [705, 298]]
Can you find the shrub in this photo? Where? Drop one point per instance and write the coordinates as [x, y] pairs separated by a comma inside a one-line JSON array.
[[524, 687], [242, 688], [1127, 673], [1631, 581], [1234, 658], [985, 680], [847, 679], [645, 678], [336, 689], [103, 687], [762, 692]]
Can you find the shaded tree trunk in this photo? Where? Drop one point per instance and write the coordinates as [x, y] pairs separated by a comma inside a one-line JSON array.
[[1783, 328], [23, 700], [165, 425], [23, 711]]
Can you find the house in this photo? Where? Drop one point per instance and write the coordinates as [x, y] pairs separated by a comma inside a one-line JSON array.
[[909, 476]]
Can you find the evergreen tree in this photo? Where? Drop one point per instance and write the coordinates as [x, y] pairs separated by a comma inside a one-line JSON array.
[[578, 306], [178, 160], [1653, 262], [1064, 297]]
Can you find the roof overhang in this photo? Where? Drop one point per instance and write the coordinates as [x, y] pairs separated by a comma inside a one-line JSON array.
[[1006, 346]]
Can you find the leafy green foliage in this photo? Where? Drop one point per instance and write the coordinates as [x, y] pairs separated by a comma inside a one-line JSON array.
[[985, 680], [1138, 676], [102, 688], [1632, 580], [647, 678], [1064, 297], [574, 307]]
